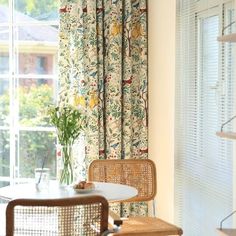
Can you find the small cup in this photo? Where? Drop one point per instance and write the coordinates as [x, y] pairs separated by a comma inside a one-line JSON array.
[[42, 177]]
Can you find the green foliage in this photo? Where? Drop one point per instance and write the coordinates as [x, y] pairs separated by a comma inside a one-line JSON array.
[[68, 121], [35, 8], [4, 109], [33, 145], [4, 156], [32, 105], [4, 2]]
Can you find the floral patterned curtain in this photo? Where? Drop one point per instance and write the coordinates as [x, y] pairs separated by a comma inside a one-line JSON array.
[[103, 67]]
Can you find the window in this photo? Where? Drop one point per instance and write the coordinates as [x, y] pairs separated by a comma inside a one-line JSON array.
[[4, 64], [205, 98], [41, 65], [28, 83]]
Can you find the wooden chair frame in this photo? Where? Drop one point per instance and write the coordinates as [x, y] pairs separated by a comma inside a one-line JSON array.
[[120, 171], [56, 203]]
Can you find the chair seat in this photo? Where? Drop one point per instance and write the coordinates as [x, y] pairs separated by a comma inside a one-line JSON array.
[[147, 226], [141, 174]]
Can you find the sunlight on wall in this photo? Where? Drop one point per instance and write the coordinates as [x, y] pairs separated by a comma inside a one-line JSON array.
[[161, 101]]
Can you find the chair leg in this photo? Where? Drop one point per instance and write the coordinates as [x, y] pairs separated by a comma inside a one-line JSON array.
[[154, 207]]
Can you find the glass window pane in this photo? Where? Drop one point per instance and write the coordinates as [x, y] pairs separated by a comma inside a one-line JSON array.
[[43, 10], [37, 48], [4, 59], [4, 63], [4, 153], [36, 63], [4, 102], [4, 42], [33, 147], [3, 184], [30, 54], [4, 11], [41, 38], [34, 97]]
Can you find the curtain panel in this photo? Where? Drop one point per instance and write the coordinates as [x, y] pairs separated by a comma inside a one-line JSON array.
[[103, 69]]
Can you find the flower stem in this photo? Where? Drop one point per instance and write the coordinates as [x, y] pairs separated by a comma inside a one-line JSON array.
[[67, 175]]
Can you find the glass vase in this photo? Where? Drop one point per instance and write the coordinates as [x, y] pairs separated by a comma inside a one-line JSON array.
[[65, 164]]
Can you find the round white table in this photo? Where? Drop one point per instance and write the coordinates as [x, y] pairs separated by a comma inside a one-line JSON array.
[[112, 192]]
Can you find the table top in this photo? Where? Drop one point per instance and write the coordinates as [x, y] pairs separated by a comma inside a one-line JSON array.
[[111, 191]]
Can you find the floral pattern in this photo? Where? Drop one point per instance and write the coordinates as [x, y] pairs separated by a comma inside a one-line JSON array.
[[103, 68]]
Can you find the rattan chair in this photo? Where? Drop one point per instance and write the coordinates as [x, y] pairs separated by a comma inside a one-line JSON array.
[[140, 174], [87, 216]]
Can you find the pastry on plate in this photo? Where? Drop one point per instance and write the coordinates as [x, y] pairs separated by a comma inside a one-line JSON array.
[[84, 185]]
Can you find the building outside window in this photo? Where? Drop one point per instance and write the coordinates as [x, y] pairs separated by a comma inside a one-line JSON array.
[[28, 84], [41, 64], [4, 64]]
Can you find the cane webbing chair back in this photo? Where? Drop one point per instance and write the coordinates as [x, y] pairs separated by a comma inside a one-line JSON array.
[[140, 174], [65, 217]]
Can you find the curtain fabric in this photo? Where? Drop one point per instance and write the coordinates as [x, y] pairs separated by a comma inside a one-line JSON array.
[[103, 67], [103, 70]]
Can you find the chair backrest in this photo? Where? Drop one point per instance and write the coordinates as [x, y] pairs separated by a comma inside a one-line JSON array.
[[139, 173], [69, 216]]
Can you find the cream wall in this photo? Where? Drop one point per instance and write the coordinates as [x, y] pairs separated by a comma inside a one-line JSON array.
[[161, 100]]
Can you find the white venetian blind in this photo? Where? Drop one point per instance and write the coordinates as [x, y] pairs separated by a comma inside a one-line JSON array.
[[205, 98]]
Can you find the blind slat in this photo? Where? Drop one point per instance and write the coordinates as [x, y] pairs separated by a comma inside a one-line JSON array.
[[205, 99]]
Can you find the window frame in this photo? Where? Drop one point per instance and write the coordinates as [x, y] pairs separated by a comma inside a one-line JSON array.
[[13, 50]]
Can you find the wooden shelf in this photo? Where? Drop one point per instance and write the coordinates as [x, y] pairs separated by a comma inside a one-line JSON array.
[[227, 38], [229, 135], [226, 232]]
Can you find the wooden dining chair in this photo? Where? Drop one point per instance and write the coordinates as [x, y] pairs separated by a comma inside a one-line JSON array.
[[86, 216], [140, 174]]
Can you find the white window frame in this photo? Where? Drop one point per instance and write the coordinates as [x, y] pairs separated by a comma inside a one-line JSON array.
[[14, 76]]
